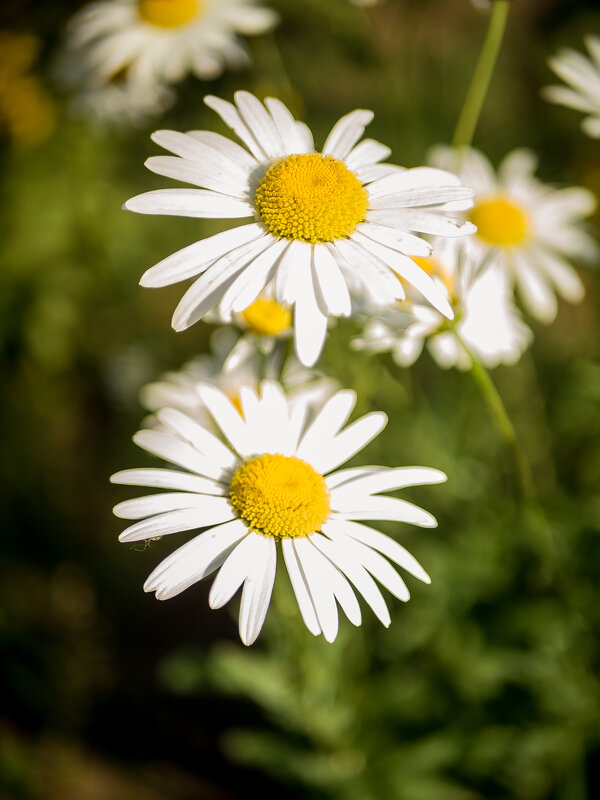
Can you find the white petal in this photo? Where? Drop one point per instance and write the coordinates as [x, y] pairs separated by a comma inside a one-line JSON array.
[[187, 519], [366, 153], [369, 270], [227, 418], [411, 272], [349, 441], [387, 480], [319, 587], [379, 567], [230, 116], [232, 151], [293, 137], [209, 175], [342, 476], [194, 560], [356, 573], [195, 258], [258, 588], [374, 507], [327, 423], [295, 261], [564, 277], [346, 132], [236, 568], [260, 122], [171, 448], [397, 240], [189, 203], [252, 280], [332, 290], [300, 587], [141, 507], [208, 290], [422, 222], [378, 541], [168, 479], [201, 439], [310, 323], [535, 292]]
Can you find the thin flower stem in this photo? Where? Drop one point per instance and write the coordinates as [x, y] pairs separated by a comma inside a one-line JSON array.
[[471, 110], [503, 423]]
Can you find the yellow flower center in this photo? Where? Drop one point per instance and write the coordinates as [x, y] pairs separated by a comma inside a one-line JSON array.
[[500, 221], [280, 496], [311, 197], [265, 317], [169, 13]]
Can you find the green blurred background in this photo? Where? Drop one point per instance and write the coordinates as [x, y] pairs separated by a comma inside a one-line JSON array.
[[485, 686]]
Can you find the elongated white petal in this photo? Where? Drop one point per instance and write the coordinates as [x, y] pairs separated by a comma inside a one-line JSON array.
[[397, 240], [168, 479], [210, 287], [289, 132], [190, 203], [300, 587], [421, 221], [295, 261], [332, 290], [349, 441], [232, 151], [332, 575], [375, 507], [310, 323], [196, 257], [171, 448], [343, 476], [141, 507], [238, 565], [377, 565], [227, 418], [366, 152], [187, 519], [252, 280], [231, 117], [355, 573], [211, 174], [201, 439], [327, 423], [319, 587], [258, 587], [346, 132], [260, 122], [389, 479], [195, 560], [378, 541]]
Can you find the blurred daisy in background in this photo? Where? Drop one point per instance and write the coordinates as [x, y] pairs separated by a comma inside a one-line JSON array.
[[533, 228], [583, 78], [485, 317], [230, 367], [274, 485], [121, 52], [319, 219], [27, 113]]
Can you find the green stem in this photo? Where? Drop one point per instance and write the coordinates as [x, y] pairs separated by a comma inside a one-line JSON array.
[[503, 423], [471, 110]]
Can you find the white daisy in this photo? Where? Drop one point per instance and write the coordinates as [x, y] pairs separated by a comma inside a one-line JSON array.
[[319, 219], [229, 367], [272, 486], [533, 227], [143, 45], [486, 318], [583, 76]]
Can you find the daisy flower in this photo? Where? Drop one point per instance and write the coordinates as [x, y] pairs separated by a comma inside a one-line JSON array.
[[486, 318], [142, 46], [230, 367], [274, 486], [318, 219], [533, 228], [583, 78]]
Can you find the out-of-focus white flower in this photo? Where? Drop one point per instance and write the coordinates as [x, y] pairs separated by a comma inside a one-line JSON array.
[[230, 367], [583, 78], [122, 55], [534, 228], [317, 217], [485, 316], [274, 485]]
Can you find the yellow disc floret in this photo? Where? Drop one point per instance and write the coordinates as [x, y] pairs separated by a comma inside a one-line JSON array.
[[169, 13], [500, 221], [311, 197], [280, 496], [265, 317]]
